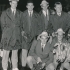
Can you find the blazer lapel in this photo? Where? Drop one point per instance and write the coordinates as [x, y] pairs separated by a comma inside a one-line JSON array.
[[10, 14], [46, 48], [26, 20], [48, 14], [39, 46]]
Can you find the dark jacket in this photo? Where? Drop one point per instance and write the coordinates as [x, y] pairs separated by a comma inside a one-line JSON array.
[[35, 28], [11, 29], [56, 22], [55, 40], [43, 22]]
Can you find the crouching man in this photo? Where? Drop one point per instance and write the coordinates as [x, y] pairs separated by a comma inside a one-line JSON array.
[[41, 51], [60, 46]]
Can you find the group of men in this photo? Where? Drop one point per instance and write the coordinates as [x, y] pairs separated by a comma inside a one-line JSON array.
[[33, 33]]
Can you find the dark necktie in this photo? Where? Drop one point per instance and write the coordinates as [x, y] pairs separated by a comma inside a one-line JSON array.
[[30, 16], [14, 13], [42, 47], [47, 16]]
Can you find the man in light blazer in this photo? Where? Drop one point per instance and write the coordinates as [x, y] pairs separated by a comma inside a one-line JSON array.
[[41, 51]]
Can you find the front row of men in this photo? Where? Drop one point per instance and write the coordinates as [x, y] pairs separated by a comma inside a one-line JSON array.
[[50, 53], [20, 28]]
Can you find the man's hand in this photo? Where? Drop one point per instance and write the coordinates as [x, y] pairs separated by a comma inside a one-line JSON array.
[[69, 35], [39, 60], [38, 37], [43, 65], [22, 33]]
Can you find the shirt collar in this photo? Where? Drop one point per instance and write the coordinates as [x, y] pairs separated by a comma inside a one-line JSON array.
[[59, 14], [13, 10], [43, 45], [45, 12], [30, 12]]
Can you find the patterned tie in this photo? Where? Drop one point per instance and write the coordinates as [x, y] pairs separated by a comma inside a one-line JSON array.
[[47, 16], [13, 12], [30, 16], [42, 47]]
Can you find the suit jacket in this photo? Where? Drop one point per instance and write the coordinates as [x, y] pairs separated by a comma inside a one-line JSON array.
[[45, 55], [35, 28], [11, 29], [43, 20]]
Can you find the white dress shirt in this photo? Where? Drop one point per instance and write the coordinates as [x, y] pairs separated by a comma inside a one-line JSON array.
[[13, 11], [43, 45], [30, 12], [45, 12], [59, 14]]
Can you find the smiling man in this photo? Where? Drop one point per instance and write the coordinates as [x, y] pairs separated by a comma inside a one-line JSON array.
[[41, 51], [11, 34], [60, 44], [60, 19]]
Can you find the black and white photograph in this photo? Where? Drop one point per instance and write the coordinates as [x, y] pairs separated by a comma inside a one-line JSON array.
[[34, 34]]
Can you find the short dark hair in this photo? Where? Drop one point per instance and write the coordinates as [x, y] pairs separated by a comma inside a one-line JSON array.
[[30, 1], [57, 3]]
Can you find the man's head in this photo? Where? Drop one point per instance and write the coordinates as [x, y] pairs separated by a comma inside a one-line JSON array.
[[13, 3], [44, 4], [44, 37], [30, 5], [58, 7], [60, 33]]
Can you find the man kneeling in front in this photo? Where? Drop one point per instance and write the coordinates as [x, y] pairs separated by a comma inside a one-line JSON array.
[[41, 51]]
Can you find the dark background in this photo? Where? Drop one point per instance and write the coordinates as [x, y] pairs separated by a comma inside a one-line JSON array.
[[22, 4]]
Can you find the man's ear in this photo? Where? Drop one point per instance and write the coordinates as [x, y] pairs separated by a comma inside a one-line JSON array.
[[33, 6], [10, 3], [26, 6], [55, 8]]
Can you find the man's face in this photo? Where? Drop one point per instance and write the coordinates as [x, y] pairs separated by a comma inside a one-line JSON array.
[[43, 39], [60, 36], [13, 4], [58, 8], [30, 6], [44, 6]]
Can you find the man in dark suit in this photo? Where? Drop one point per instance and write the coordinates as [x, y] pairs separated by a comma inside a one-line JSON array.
[[44, 14], [41, 51], [59, 20], [31, 28], [11, 34]]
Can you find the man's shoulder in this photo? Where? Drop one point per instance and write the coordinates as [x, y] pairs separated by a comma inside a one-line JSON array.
[[54, 39], [19, 11], [52, 16], [5, 11], [36, 41], [25, 11], [35, 13], [65, 14], [40, 12], [65, 40]]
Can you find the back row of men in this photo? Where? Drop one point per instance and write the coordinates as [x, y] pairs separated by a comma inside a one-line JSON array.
[[20, 28]]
